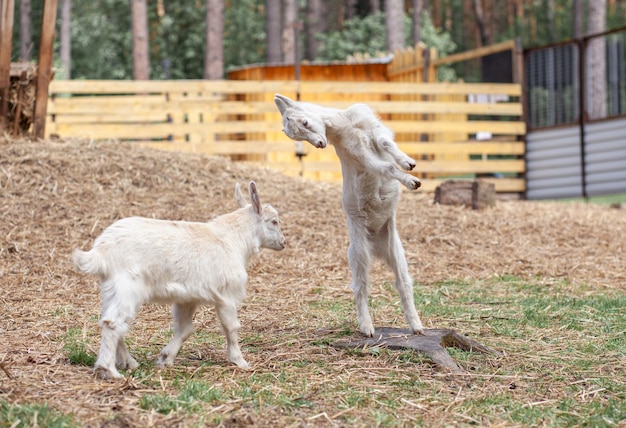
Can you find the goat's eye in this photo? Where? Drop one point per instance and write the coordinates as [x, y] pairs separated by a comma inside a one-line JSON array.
[[305, 123], [275, 222]]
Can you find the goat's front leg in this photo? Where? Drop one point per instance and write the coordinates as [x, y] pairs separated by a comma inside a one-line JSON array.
[[389, 170], [389, 248], [227, 313], [359, 259], [405, 161], [183, 327]]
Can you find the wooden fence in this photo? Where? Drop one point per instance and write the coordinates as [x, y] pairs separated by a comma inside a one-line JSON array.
[[436, 123]]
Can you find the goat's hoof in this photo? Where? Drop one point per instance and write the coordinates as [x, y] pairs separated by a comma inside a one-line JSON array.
[[241, 363], [367, 331], [409, 165], [414, 184], [104, 373]]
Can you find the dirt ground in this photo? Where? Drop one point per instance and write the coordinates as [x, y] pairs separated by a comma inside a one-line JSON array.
[[58, 195]]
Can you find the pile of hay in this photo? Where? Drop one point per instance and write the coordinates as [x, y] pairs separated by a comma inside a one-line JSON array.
[[57, 195]]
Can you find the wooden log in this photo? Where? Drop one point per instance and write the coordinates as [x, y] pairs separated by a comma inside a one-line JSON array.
[[477, 194], [45, 71], [432, 343]]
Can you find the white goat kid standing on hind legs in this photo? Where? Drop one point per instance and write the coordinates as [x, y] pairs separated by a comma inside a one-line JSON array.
[[140, 260], [368, 156]]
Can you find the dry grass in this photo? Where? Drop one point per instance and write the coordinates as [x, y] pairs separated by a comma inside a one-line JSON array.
[[471, 267]]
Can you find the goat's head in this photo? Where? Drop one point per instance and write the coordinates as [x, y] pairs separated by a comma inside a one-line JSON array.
[[300, 124], [269, 233]]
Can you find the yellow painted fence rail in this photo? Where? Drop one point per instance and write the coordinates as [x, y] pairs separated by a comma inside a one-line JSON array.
[[451, 129]]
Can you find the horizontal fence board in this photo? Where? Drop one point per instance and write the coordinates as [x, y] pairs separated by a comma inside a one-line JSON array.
[[409, 88], [169, 86], [268, 86], [124, 104], [77, 126]]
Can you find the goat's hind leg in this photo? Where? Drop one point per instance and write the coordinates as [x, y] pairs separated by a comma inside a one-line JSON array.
[[118, 310], [359, 260], [183, 327], [123, 359], [390, 249]]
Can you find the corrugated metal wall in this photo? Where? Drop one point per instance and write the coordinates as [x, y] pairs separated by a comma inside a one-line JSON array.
[[554, 161], [605, 157]]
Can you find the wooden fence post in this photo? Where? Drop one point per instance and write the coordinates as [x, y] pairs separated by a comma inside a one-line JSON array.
[[44, 72], [6, 40]]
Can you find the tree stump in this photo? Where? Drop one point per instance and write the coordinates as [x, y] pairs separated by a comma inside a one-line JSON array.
[[432, 343], [476, 194]]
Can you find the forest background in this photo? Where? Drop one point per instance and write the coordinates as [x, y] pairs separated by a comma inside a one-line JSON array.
[[195, 39]]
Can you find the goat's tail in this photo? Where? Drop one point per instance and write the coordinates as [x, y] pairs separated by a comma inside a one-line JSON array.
[[87, 261]]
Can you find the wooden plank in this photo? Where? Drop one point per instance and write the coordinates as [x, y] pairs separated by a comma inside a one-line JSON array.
[[131, 103], [411, 88], [44, 70], [470, 166], [265, 86], [68, 127], [138, 131], [436, 167], [469, 127], [475, 53], [174, 86], [463, 148]]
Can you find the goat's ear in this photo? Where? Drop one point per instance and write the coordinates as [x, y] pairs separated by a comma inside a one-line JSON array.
[[282, 102], [254, 198], [241, 201]]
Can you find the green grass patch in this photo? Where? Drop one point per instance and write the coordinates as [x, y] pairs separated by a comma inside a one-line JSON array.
[[74, 345], [33, 415]]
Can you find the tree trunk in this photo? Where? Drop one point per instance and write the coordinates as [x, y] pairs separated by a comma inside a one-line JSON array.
[[351, 9], [375, 6], [482, 25], [394, 14], [26, 36], [418, 7], [214, 55], [577, 19], [290, 9], [141, 58], [596, 61], [315, 24], [273, 29], [66, 39]]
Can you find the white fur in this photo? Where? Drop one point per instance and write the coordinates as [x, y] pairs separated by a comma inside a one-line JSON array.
[[369, 158], [140, 260]]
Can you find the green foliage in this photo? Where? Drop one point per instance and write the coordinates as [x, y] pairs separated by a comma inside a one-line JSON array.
[[367, 35], [32, 415], [244, 34], [101, 40]]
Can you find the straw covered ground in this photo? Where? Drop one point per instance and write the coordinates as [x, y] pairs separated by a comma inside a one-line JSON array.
[[58, 195]]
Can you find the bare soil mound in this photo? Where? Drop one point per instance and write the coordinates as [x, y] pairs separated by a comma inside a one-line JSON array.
[[58, 195]]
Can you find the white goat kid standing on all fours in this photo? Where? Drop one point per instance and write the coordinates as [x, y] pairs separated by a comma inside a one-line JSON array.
[[369, 158], [140, 260]]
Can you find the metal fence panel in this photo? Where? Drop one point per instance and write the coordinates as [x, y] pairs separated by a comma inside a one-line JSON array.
[[553, 163], [605, 157]]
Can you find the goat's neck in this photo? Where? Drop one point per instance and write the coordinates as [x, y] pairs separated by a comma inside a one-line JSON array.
[[335, 120], [239, 232]]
